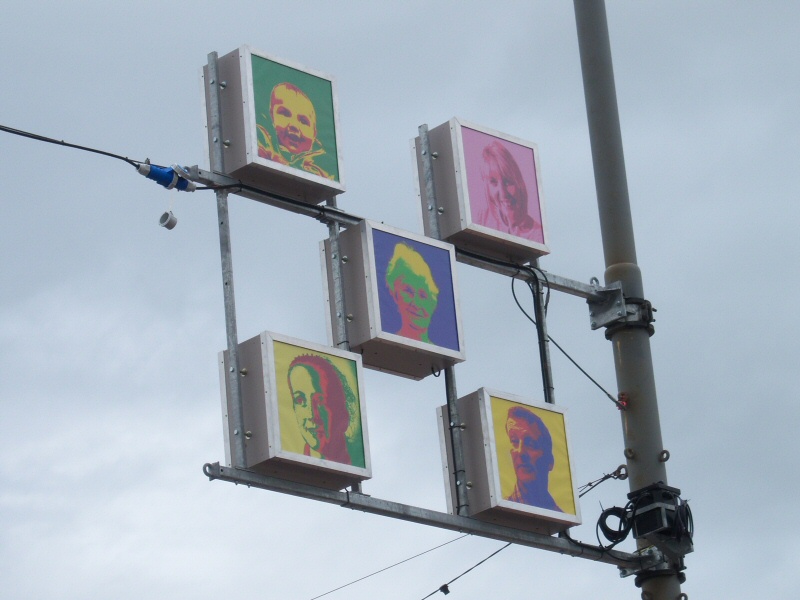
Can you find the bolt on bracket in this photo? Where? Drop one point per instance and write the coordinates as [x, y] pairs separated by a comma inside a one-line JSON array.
[[613, 310]]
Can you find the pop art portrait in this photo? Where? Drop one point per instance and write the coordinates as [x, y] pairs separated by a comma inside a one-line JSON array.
[[415, 290], [532, 456], [319, 405], [502, 185], [295, 118]]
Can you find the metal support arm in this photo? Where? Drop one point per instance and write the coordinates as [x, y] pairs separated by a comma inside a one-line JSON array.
[[629, 564]]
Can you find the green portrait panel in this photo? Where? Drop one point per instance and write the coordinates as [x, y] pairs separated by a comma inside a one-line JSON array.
[[295, 118], [319, 407], [532, 456]]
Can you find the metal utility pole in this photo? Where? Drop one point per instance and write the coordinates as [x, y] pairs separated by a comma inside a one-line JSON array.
[[630, 336]]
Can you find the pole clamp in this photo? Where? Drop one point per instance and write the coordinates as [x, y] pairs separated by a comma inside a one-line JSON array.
[[611, 309]]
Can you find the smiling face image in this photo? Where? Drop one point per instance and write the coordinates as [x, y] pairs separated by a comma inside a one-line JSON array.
[[414, 291], [505, 187], [294, 118]]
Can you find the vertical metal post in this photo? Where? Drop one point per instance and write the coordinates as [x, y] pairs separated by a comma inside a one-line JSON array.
[[217, 164], [339, 303], [540, 315], [338, 285], [632, 359], [449, 372]]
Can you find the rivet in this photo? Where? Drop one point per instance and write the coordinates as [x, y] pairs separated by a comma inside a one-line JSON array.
[[243, 371], [345, 259], [435, 155], [223, 84], [231, 369], [350, 318], [440, 210], [235, 432], [227, 143], [248, 434]]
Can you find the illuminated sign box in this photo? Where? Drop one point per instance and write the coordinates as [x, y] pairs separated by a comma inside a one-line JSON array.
[[401, 300], [517, 462], [304, 411], [280, 126], [488, 185]]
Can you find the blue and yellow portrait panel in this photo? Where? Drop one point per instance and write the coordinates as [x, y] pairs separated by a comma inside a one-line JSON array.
[[415, 290], [319, 406], [532, 456]]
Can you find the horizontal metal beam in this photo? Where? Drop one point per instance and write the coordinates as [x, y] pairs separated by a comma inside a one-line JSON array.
[[321, 212], [628, 563], [589, 291]]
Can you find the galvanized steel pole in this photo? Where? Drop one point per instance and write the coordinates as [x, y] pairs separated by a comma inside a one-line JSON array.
[[217, 164], [631, 343], [449, 372]]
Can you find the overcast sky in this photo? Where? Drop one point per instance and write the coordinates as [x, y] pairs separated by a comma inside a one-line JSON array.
[[110, 325]]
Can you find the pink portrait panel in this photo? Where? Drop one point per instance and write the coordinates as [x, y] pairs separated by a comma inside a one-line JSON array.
[[489, 158]]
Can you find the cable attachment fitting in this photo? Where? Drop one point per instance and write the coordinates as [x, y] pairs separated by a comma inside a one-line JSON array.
[[176, 177], [611, 309]]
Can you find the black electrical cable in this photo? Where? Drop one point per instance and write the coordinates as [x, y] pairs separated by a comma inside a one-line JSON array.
[[389, 567], [49, 140], [615, 536], [445, 588], [133, 163], [564, 352]]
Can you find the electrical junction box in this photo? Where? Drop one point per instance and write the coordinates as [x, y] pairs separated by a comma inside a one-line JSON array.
[[400, 297], [654, 509], [280, 125], [303, 409], [488, 187], [517, 462]]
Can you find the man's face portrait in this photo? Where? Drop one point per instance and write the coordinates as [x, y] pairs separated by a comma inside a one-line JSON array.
[[294, 118], [531, 451]]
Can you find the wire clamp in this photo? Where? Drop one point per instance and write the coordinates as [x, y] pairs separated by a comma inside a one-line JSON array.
[[615, 311]]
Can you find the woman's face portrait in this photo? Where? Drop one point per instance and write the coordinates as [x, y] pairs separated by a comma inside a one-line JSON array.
[[310, 409], [505, 193]]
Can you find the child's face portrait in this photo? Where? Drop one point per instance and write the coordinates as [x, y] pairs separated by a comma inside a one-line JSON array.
[[294, 119]]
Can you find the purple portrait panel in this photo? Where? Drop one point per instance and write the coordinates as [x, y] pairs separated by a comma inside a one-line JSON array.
[[502, 185], [415, 290]]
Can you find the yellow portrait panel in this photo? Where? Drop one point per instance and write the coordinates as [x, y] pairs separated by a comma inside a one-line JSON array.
[[319, 406], [560, 477]]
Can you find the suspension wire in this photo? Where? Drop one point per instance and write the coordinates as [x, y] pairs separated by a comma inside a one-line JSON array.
[[620, 473], [564, 352], [390, 567], [49, 140], [132, 162], [445, 588]]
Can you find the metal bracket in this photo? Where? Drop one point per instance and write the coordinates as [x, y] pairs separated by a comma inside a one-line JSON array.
[[652, 557], [614, 311], [609, 308]]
